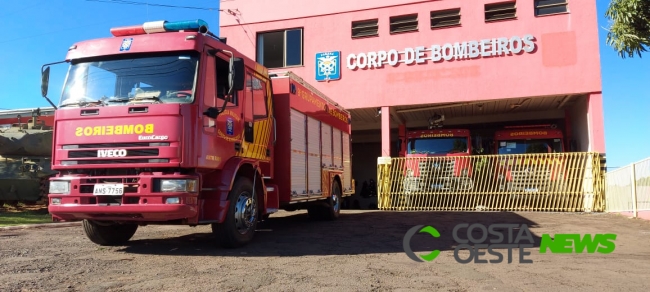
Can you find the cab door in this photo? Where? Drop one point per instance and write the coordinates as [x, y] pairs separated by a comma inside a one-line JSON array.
[[258, 122], [219, 136]]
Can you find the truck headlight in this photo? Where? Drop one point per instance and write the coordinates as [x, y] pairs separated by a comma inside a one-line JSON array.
[[178, 185], [60, 187]]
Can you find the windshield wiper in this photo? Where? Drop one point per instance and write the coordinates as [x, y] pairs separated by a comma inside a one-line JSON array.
[[117, 100], [82, 103], [153, 97]]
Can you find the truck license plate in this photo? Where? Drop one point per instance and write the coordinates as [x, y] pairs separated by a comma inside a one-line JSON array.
[[108, 190]]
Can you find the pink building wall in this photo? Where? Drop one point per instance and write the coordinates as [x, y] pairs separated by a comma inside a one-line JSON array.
[[565, 59]]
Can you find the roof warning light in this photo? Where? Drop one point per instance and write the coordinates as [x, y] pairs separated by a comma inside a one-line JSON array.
[[161, 26]]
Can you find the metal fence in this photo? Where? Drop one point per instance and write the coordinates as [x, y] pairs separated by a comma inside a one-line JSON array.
[[628, 188], [572, 182]]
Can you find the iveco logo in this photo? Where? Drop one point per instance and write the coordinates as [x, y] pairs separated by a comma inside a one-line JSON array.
[[111, 153]]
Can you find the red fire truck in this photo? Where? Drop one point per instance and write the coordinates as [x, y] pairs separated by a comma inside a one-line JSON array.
[[164, 123], [446, 172], [541, 173]]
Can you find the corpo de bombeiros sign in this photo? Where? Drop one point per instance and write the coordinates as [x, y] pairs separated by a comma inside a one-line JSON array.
[[450, 51]]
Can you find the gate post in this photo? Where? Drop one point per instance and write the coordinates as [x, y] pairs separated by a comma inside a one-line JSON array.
[[635, 211], [588, 183], [383, 182]]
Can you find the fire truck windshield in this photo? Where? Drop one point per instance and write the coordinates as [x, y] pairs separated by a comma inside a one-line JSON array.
[[155, 79], [530, 146], [437, 145]]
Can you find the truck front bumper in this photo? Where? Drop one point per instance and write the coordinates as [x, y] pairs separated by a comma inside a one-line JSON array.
[[139, 212], [138, 198]]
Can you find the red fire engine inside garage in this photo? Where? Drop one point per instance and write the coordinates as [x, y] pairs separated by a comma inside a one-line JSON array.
[[553, 124]]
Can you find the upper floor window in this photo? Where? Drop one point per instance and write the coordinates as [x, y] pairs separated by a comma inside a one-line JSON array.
[[445, 18], [279, 49], [545, 7], [500, 11], [365, 28], [404, 23]]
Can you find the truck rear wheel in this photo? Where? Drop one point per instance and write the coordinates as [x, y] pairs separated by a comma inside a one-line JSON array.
[[108, 235], [332, 208], [241, 221]]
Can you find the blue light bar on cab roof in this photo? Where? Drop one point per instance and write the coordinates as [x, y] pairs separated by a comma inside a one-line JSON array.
[[197, 25], [161, 26]]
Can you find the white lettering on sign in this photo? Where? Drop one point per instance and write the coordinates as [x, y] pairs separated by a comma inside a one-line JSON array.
[[111, 153], [450, 51]]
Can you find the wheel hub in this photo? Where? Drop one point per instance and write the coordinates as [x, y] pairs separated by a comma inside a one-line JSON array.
[[245, 213], [336, 202]]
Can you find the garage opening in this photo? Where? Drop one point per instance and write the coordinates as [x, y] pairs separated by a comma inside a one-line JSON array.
[[529, 132]]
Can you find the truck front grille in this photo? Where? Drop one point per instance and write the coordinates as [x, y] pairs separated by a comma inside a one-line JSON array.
[[115, 153], [437, 168], [129, 152], [131, 184], [529, 178]]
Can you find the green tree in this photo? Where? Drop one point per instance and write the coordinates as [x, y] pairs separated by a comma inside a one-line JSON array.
[[629, 30]]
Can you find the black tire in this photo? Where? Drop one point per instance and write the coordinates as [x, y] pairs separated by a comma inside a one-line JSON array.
[[315, 212], [332, 210], [241, 220], [109, 235]]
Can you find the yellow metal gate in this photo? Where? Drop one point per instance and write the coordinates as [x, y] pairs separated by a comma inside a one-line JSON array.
[[571, 182]]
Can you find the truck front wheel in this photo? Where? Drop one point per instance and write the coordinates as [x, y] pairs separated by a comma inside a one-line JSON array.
[[108, 234], [241, 221]]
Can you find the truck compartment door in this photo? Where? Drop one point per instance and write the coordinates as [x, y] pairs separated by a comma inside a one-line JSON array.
[[298, 154], [313, 160]]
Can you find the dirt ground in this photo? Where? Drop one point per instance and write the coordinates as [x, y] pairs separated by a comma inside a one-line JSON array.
[[362, 251]]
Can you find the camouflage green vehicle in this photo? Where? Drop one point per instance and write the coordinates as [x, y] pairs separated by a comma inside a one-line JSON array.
[[25, 155]]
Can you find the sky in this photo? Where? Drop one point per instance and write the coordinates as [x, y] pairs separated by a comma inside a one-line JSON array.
[[37, 32]]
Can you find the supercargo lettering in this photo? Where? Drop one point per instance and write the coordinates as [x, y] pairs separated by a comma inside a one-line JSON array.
[[152, 137], [114, 130]]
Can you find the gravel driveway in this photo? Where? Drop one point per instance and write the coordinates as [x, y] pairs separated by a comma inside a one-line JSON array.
[[363, 251]]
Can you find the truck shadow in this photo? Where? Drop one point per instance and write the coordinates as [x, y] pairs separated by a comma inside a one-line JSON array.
[[355, 233]]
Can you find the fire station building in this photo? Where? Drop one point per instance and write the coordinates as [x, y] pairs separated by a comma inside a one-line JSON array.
[[399, 64]]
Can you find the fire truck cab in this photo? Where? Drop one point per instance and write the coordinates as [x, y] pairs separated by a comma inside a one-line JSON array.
[[443, 165], [536, 169]]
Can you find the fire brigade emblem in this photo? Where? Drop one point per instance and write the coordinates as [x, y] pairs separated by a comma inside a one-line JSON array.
[[126, 44], [328, 66], [230, 125]]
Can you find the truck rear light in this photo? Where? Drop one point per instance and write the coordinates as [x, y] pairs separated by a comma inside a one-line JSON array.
[[161, 26], [59, 187]]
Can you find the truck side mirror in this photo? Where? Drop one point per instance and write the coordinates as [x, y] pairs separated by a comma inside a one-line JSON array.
[[236, 74], [45, 80], [211, 112]]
